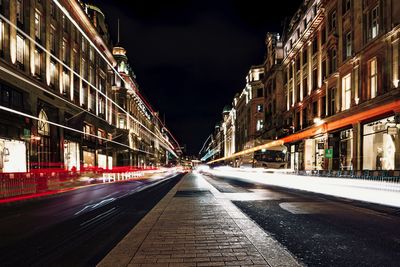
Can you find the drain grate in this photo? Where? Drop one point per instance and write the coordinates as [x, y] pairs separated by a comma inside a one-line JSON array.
[[193, 193]]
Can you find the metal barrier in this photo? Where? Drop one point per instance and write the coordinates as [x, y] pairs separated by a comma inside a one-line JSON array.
[[40, 181]]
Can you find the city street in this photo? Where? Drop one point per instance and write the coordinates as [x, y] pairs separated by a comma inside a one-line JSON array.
[[319, 230], [76, 228]]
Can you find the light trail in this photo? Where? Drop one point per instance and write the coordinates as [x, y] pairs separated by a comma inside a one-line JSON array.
[[165, 145], [68, 128], [379, 192]]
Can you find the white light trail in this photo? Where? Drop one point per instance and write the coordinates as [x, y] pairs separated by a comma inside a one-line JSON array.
[[68, 128], [379, 192]]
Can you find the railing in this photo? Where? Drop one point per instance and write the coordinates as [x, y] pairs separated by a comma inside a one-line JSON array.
[[52, 180], [373, 175]]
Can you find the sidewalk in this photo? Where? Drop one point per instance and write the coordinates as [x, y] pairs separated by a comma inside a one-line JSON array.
[[195, 225]]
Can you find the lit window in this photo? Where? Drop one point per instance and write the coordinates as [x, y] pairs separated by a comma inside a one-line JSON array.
[[38, 60], [64, 51], [37, 25], [53, 73], [65, 83], [260, 125], [346, 92], [43, 125], [373, 23], [259, 108], [373, 78], [20, 49], [121, 123]]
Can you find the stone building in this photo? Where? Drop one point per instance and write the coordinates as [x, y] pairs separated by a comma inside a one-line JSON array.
[[58, 106]]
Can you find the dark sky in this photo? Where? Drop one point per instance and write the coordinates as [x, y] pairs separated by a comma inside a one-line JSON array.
[[191, 57]]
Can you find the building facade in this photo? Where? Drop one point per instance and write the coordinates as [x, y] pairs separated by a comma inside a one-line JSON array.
[[61, 104], [331, 86]]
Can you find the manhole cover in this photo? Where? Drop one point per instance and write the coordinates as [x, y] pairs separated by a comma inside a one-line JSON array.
[[192, 193]]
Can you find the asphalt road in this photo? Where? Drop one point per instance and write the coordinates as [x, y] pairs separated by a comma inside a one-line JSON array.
[[320, 230], [76, 228]]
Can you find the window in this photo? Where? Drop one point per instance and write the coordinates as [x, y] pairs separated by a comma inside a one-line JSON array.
[[38, 60], [17, 99], [5, 96], [346, 92], [347, 46], [20, 49], [87, 129], [373, 23], [43, 125], [323, 35], [304, 122], [315, 109], [323, 70], [298, 92], [305, 59], [65, 88], [333, 58], [298, 63], [332, 101], [332, 20], [373, 78], [52, 39], [53, 72], [52, 9], [259, 108], [83, 45], [64, 51], [20, 11], [64, 23], [259, 92], [346, 5], [305, 86], [315, 45], [37, 24], [323, 107], [121, 122], [260, 125], [84, 72], [290, 96], [315, 78], [91, 54]]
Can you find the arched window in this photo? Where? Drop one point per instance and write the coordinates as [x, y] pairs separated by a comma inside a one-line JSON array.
[[43, 125]]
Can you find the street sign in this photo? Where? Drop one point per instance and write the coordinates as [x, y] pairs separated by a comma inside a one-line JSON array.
[[329, 153]]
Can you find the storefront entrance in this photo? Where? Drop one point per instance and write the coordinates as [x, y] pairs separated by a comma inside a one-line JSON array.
[[381, 145], [12, 156], [71, 156]]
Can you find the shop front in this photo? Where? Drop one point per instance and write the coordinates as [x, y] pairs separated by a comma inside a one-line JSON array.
[[381, 145], [71, 156], [12, 156], [314, 153], [342, 146], [102, 161], [88, 159]]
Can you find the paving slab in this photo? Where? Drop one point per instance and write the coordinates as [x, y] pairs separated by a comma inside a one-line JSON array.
[[196, 225]]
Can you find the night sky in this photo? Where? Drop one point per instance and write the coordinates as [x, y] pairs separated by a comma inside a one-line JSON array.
[[191, 57]]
